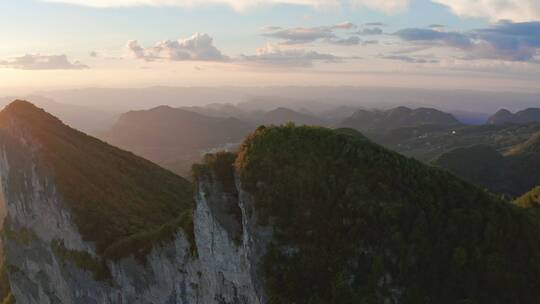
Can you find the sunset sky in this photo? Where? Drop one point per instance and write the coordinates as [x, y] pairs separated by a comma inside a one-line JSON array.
[[482, 44]]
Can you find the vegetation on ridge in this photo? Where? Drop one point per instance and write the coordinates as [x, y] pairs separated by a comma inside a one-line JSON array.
[[83, 260], [5, 289], [530, 199], [112, 194], [355, 223]]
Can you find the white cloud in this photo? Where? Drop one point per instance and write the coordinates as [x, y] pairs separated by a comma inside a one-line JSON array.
[[272, 55], [387, 6], [199, 47], [515, 10], [42, 62], [236, 4], [304, 35]]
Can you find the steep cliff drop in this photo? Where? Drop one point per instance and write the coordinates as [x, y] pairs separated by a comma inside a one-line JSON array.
[[298, 215], [89, 223]]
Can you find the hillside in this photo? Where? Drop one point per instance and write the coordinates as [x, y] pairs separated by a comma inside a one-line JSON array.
[[356, 223], [532, 145], [282, 115], [174, 138], [429, 142], [112, 194], [511, 174], [530, 199], [364, 120], [504, 116]]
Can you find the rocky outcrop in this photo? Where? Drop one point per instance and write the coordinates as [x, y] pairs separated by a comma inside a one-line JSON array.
[[49, 262]]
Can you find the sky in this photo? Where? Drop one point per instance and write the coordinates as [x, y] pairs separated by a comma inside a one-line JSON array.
[[461, 44]]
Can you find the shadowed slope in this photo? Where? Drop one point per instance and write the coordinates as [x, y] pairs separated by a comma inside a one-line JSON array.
[[111, 193]]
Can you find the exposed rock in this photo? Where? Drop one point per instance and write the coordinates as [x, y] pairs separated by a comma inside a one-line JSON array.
[[222, 269]]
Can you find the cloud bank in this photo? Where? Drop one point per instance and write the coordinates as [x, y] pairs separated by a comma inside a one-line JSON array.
[[199, 47], [42, 62], [272, 55], [327, 34], [515, 10], [388, 6], [503, 41]]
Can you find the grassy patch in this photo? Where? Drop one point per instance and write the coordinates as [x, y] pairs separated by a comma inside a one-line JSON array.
[[5, 289], [141, 244], [83, 260], [22, 236], [530, 199]]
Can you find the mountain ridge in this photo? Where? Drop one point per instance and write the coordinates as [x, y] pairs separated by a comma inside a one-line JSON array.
[[379, 120], [504, 116]]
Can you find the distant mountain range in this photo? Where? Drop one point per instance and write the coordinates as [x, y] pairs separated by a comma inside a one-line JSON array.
[[317, 99], [174, 137], [281, 116], [83, 118], [400, 117], [522, 117]]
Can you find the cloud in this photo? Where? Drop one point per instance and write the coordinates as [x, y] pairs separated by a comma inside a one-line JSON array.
[[421, 35], [369, 42], [504, 41], [438, 27], [272, 55], [198, 47], [409, 59], [42, 62], [301, 35], [515, 10], [343, 26], [239, 5], [387, 6], [374, 24], [304, 35], [352, 40], [370, 31], [94, 54], [271, 28]]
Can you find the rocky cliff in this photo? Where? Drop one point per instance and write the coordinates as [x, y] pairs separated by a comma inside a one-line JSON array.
[[218, 270], [50, 261]]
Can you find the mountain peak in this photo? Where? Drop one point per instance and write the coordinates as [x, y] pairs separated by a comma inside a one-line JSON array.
[[26, 110], [529, 115], [22, 106], [104, 206], [503, 112]]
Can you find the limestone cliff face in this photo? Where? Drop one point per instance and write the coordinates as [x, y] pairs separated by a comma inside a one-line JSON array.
[[223, 268]]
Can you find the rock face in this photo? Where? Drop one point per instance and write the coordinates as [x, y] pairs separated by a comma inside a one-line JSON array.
[[50, 262]]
